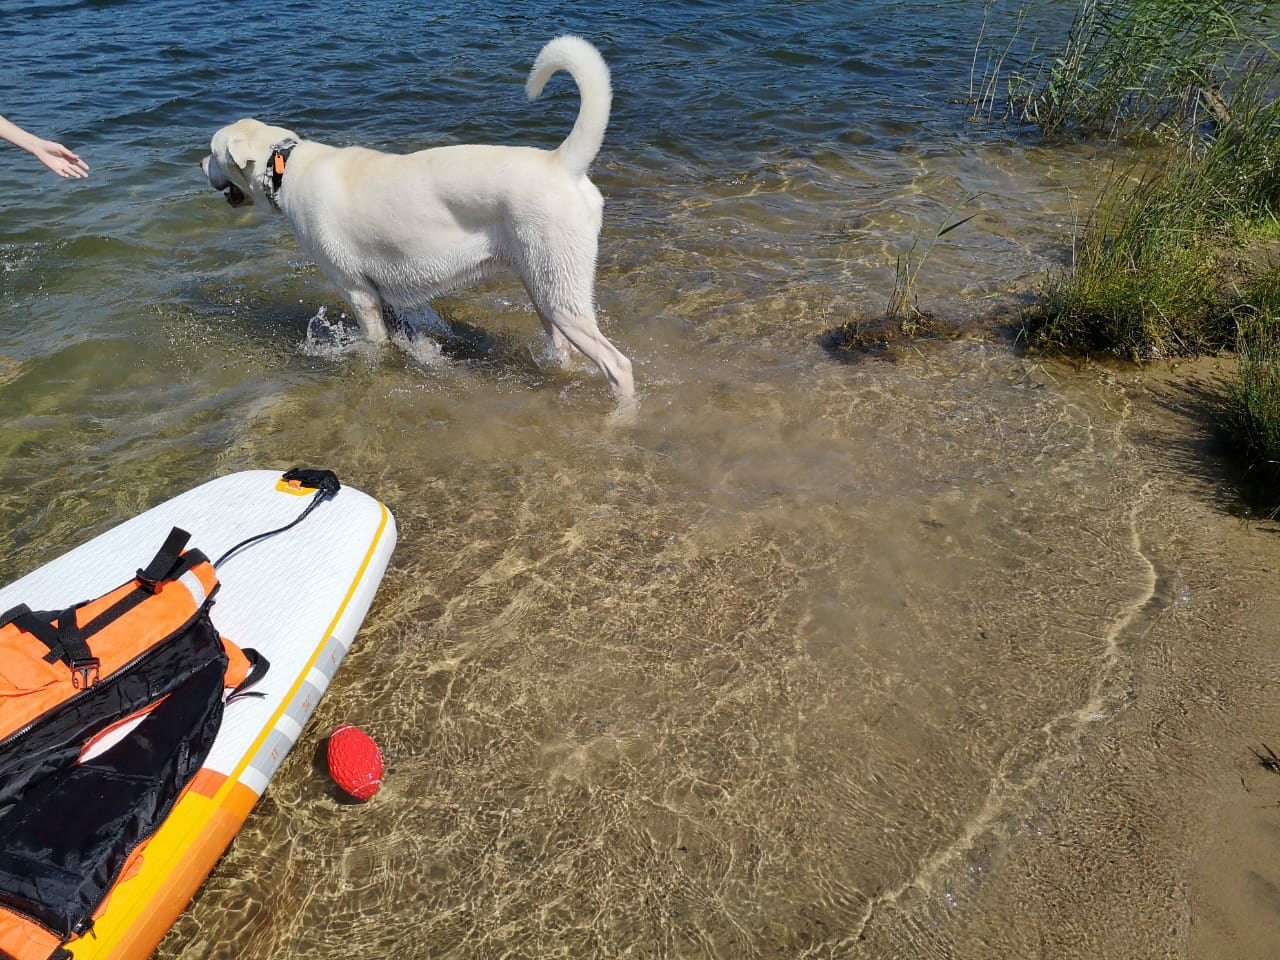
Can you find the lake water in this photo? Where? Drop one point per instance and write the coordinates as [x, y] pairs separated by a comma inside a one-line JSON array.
[[814, 659]]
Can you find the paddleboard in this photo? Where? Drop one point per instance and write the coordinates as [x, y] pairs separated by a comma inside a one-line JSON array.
[[298, 597]]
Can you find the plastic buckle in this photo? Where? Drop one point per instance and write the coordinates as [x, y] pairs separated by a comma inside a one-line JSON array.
[[146, 583], [325, 481], [85, 673]]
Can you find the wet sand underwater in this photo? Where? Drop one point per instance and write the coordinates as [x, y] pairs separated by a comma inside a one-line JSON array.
[[984, 680]]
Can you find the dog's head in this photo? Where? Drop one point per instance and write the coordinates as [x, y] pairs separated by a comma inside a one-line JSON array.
[[238, 161]]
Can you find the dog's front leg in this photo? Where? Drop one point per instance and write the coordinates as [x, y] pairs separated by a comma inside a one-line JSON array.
[[367, 307]]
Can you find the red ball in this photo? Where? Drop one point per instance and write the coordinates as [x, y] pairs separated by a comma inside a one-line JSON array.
[[355, 762]]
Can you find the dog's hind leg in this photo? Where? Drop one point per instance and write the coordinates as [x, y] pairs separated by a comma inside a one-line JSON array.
[[616, 366], [559, 344], [560, 287], [579, 328]]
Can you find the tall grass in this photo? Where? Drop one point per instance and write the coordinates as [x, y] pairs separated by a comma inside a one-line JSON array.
[[1251, 413], [1158, 267], [1131, 66]]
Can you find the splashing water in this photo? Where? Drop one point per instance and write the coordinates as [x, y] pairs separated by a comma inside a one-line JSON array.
[[330, 338]]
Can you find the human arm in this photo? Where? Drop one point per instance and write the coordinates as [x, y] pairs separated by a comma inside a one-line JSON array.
[[53, 155]]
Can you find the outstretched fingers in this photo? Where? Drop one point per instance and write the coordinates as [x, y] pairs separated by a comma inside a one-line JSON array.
[[65, 163]]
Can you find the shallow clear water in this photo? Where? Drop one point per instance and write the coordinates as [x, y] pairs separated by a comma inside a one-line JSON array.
[[793, 666]]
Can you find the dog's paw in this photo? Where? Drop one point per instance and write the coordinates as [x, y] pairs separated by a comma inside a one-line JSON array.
[[625, 414]]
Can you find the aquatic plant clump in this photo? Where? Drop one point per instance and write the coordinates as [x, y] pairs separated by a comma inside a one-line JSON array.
[[1158, 267]]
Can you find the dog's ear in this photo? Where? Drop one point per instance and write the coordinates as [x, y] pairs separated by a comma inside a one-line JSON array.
[[239, 151]]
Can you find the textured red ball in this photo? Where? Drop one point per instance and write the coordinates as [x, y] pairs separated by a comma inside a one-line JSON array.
[[355, 762]]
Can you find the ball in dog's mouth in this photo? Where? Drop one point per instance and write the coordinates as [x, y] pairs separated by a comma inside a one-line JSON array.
[[235, 196]]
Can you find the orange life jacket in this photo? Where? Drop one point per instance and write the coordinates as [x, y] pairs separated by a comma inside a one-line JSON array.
[[76, 796]]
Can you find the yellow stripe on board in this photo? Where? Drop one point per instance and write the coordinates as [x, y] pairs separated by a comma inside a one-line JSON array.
[[315, 655], [174, 863]]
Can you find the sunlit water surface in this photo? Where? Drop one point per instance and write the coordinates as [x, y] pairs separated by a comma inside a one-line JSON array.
[[785, 668]]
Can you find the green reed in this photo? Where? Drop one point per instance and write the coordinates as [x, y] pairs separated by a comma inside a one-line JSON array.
[[904, 304], [1251, 411], [1130, 66]]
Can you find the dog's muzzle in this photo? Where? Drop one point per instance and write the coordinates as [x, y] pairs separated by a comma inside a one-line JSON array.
[[235, 196]]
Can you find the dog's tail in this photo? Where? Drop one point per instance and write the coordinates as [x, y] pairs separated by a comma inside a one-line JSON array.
[[582, 62]]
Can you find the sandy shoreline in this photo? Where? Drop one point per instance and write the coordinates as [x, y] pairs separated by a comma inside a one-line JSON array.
[[1162, 837], [1209, 677]]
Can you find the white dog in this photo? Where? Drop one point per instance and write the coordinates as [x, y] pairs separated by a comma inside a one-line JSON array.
[[397, 230]]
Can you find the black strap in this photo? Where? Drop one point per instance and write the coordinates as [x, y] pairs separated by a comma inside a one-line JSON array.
[[75, 651], [39, 625], [163, 564], [258, 667], [325, 480], [68, 641], [326, 485]]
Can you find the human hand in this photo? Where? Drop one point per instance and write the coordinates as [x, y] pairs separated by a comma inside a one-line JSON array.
[[60, 160]]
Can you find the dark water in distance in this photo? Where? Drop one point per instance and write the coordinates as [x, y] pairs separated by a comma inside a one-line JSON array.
[[140, 86], [722, 76], [797, 665]]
